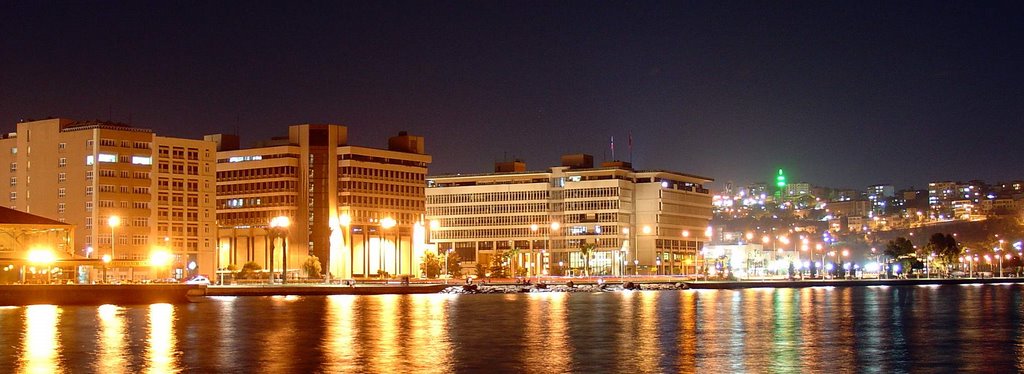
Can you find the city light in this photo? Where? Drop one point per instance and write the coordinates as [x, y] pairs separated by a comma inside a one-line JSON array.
[[160, 258], [41, 257]]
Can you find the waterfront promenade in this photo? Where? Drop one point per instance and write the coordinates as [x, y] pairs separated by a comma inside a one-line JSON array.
[[143, 294], [591, 284]]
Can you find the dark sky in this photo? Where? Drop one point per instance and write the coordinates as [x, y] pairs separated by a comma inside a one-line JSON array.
[[844, 94]]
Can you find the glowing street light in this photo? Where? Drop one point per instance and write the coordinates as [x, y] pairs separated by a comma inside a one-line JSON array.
[[106, 261], [113, 222], [279, 228]]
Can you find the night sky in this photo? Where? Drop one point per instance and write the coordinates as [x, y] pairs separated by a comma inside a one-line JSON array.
[[842, 94]]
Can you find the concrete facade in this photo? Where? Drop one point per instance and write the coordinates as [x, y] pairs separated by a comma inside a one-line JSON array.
[[161, 189], [642, 222], [359, 210]]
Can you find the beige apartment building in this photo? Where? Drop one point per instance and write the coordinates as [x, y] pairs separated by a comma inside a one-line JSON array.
[[129, 192], [642, 222], [359, 210]]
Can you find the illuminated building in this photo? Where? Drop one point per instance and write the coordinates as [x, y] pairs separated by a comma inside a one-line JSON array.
[[127, 190], [655, 219], [357, 209], [941, 196]]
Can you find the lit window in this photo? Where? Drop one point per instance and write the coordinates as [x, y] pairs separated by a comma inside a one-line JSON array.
[[107, 157], [142, 160]]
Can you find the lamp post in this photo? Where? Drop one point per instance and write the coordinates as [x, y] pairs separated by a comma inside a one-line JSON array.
[[554, 227], [279, 228], [999, 248], [686, 240], [113, 222], [447, 253], [636, 267], [533, 232], [106, 260], [846, 256]]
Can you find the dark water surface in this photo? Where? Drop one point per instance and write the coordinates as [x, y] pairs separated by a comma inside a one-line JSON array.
[[949, 328]]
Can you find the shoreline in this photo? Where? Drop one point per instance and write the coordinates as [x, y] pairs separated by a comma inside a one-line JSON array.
[[13, 295]]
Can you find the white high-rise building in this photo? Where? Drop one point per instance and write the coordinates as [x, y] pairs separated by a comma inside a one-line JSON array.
[[646, 222]]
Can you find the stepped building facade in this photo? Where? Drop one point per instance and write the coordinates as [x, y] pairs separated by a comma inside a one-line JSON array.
[[358, 210]]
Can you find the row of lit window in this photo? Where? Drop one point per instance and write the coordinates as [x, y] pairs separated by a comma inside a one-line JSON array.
[[179, 153], [379, 188], [256, 187], [269, 172], [488, 209], [486, 197], [372, 173], [375, 201]]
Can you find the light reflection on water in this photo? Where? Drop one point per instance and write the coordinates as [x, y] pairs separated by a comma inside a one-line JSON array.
[[41, 339], [870, 329], [111, 339]]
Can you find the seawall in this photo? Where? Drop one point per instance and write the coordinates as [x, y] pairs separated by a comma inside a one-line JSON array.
[[98, 294]]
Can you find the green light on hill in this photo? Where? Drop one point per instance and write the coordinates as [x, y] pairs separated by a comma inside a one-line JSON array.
[[780, 180]]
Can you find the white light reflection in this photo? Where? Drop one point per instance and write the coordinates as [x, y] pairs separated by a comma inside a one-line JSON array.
[[111, 339], [339, 337], [161, 338], [41, 339]]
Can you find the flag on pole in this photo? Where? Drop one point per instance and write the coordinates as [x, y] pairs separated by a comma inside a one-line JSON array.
[[613, 147]]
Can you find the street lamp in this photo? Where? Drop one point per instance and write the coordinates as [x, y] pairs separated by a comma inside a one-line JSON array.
[[279, 228], [159, 258], [686, 237], [533, 231], [106, 260], [447, 253], [113, 222], [42, 257], [997, 249]]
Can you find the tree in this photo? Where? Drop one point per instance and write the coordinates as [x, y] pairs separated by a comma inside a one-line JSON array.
[[312, 267], [454, 265], [498, 266], [480, 270], [431, 265], [510, 258], [946, 249], [901, 250], [250, 270], [586, 249]]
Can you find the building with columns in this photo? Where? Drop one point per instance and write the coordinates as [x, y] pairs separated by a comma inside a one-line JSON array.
[[637, 221], [128, 192], [359, 210]]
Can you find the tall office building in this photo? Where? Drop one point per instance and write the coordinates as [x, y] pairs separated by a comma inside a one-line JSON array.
[[643, 222], [359, 210], [129, 192]]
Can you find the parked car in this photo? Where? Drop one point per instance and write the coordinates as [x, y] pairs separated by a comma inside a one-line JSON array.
[[199, 279]]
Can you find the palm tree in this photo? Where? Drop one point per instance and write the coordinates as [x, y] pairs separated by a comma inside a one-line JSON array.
[[586, 249]]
